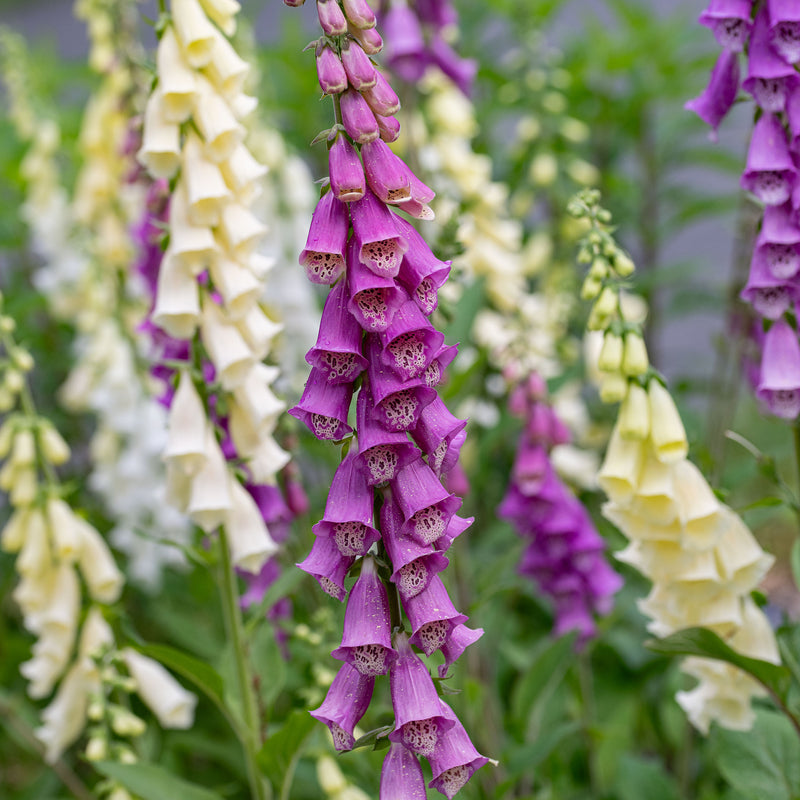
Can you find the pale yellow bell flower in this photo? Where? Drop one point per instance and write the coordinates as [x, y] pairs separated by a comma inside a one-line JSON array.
[[666, 432]]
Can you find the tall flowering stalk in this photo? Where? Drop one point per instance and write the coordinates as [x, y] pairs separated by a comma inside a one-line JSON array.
[[768, 34], [700, 556], [388, 517]]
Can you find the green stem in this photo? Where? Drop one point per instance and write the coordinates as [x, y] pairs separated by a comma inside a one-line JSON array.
[[250, 737], [796, 432]]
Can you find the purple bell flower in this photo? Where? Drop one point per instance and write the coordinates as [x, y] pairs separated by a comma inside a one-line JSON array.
[[389, 128], [381, 98], [433, 616], [779, 387], [401, 775], [406, 53], [331, 17], [330, 72], [454, 529], [455, 759], [441, 361], [323, 256], [348, 510], [793, 115], [421, 272], [337, 353], [377, 241], [419, 717], [778, 242], [324, 406], [274, 509], [360, 70], [720, 94], [437, 434], [409, 342], [769, 78], [426, 505], [345, 169], [357, 117], [460, 70], [461, 637], [414, 564], [346, 702], [381, 452], [770, 171], [387, 175], [729, 21], [369, 39], [359, 13], [374, 299], [366, 641], [769, 296], [784, 28], [437, 13], [328, 566]]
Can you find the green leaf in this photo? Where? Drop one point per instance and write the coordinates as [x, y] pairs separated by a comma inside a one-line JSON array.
[[151, 782], [373, 737], [763, 762], [639, 777], [706, 644], [282, 587], [525, 758], [268, 663], [280, 753]]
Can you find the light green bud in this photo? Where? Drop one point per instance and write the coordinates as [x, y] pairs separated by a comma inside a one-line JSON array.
[[634, 358]]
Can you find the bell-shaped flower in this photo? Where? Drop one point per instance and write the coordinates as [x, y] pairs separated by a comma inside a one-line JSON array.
[[698, 507], [323, 256], [65, 530], [257, 401], [432, 616], [176, 80], [729, 21], [667, 433], [389, 128], [217, 124], [243, 174], [344, 705], [361, 72], [619, 474], [241, 230], [769, 296], [461, 637], [328, 566], [784, 29], [249, 540], [160, 153], [460, 70], [194, 31], [227, 70], [171, 704], [378, 242], [229, 352], [438, 434], [193, 246], [324, 406], [770, 171], [209, 496], [419, 717], [348, 510], [186, 437], [331, 17], [778, 242], [206, 190], [239, 288], [337, 353], [406, 52], [177, 306], [634, 413], [410, 342], [719, 96], [357, 117], [374, 299], [97, 565], [401, 775], [387, 175], [359, 14], [366, 640], [258, 330], [345, 169], [741, 561], [769, 79], [779, 387]]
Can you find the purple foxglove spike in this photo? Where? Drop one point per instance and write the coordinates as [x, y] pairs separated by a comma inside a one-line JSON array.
[[331, 17], [258, 584], [461, 637], [779, 387], [720, 94], [366, 641], [778, 242], [401, 775], [410, 342], [572, 614], [432, 616], [330, 72], [770, 171], [768, 295], [455, 479], [381, 453], [359, 13], [346, 172], [769, 78], [374, 299], [603, 583], [455, 759], [414, 564], [344, 705], [337, 353], [406, 53], [377, 240], [784, 28], [729, 21], [436, 434], [361, 72], [531, 467], [357, 117], [296, 497], [323, 256], [460, 70], [381, 98], [419, 721], [426, 505], [420, 263], [455, 528], [348, 510], [274, 510], [328, 566], [437, 13], [369, 39], [416, 209], [324, 407], [793, 115], [441, 361], [388, 127], [387, 174]]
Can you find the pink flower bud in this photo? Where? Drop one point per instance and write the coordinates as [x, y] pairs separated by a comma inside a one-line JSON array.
[[359, 14], [360, 70], [358, 119], [331, 17], [330, 72], [346, 172]]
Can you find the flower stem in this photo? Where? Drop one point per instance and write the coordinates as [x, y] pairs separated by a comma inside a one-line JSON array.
[[589, 718], [250, 736]]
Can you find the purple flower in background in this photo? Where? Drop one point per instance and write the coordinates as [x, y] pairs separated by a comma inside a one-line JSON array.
[[779, 387]]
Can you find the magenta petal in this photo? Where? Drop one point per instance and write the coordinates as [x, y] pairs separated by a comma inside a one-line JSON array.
[[784, 28], [406, 53], [366, 640], [720, 94], [346, 702], [323, 256], [460, 70], [324, 407], [769, 296], [381, 98], [461, 637], [380, 243], [330, 72], [410, 342], [331, 17], [346, 173], [455, 759], [441, 361], [779, 387], [455, 528], [337, 353], [769, 78], [360, 70], [357, 117], [419, 717], [778, 242], [374, 299], [435, 432], [770, 171], [729, 20], [401, 775], [326, 563], [432, 615], [387, 174]]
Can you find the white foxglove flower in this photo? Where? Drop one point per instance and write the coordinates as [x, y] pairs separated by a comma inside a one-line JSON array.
[[241, 230], [98, 567], [266, 460], [243, 174], [177, 308], [172, 705], [65, 718], [194, 246], [209, 498], [226, 69], [223, 12], [217, 124], [176, 80], [258, 331], [65, 528], [188, 436], [256, 399], [206, 190], [239, 287], [248, 538], [226, 347], [160, 153], [194, 31]]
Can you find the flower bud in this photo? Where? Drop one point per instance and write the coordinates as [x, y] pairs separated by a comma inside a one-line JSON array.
[[599, 269], [54, 448], [610, 358], [613, 388], [13, 381], [346, 173], [634, 415], [330, 72], [331, 17], [22, 358], [23, 451], [97, 749], [634, 357], [667, 432], [591, 288], [125, 723], [369, 39], [359, 14], [623, 264]]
